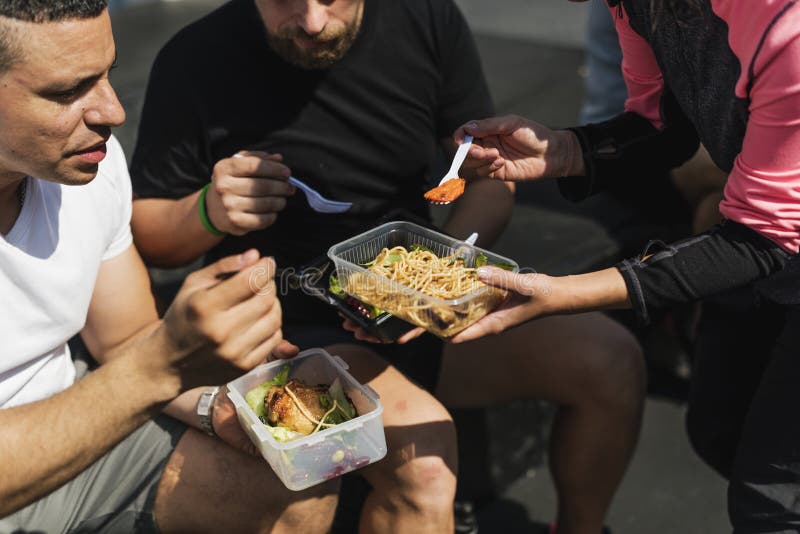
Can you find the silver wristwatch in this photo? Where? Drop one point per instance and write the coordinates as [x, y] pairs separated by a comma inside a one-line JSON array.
[[205, 410]]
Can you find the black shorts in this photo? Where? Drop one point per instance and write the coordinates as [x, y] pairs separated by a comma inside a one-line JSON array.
[[420, 359], [115, 494]]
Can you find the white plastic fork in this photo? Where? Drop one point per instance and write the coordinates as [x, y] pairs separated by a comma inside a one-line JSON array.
[[319, 203], [458, 160], [467, 249]]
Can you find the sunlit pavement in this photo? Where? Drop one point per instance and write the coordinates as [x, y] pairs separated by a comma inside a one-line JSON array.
[[532, 56]]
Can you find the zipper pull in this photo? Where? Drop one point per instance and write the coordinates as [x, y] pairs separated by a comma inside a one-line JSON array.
[[619, 10]]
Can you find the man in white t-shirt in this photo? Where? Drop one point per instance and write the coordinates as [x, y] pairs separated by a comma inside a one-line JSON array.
[[94, 454]]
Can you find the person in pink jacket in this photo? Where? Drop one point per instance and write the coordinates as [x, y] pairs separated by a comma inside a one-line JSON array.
[[725, 73]]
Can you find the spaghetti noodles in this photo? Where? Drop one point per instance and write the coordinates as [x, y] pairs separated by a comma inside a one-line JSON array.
[[420, 270]]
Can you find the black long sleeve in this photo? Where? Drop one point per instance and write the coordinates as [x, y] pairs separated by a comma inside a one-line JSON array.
[[628, 150], [728, 256]]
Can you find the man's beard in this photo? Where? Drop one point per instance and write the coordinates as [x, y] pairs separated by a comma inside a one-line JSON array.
[[336, 44]]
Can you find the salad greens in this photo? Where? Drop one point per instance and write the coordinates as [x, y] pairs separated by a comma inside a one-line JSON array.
[[367, 310], [335, 287], [344, 411], [388, 260], [335, 395], [482, 260], [255, 397], [336, 391]]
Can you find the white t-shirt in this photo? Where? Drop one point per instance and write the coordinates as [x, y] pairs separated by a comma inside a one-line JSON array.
[[48, 267]]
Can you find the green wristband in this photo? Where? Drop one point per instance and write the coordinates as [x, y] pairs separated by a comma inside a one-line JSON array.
[[201, 209]]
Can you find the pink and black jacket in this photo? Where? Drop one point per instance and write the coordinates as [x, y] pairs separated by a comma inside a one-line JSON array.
[[725, 73]]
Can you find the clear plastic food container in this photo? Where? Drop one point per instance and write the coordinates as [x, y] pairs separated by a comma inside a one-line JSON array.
[[326, 454], [444, 318]]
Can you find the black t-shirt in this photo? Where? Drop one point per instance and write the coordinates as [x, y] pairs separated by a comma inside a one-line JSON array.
[[364, 131]]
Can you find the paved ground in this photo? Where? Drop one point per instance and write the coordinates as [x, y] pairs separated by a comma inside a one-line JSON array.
[[532, 54]]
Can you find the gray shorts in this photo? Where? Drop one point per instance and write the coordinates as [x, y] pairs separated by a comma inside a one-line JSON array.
[[114, 495]]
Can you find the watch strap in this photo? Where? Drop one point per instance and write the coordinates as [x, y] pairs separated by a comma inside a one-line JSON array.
[[205, 410]]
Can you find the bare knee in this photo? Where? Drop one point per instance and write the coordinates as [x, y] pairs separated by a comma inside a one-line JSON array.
[[431, 485], [615, 371], [422, 476], [420, 471]]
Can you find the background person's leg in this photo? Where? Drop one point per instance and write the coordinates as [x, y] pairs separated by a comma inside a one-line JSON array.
[[764, 492], [592, 368], [729, 361], [414, 486]]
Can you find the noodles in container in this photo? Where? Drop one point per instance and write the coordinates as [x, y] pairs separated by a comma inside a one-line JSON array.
[[422, 276]]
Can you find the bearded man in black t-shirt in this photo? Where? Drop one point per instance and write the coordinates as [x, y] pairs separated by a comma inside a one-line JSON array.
[[355, 97]]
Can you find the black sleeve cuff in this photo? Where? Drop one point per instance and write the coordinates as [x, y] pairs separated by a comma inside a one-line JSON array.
[[628, 148], [727, 257]]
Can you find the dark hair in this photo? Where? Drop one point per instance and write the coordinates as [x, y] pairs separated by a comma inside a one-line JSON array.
[[51, 10], [39, 11]]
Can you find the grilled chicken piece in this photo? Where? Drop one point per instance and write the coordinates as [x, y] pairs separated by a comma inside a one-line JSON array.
[[283, 411]]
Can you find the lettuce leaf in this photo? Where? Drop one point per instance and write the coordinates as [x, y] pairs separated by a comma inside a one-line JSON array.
[[255, 397], [503, 265], [283, 434], [336, 393], [335, 287]]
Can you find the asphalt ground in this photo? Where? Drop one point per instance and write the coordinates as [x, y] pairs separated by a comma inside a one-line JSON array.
[[532, 53]]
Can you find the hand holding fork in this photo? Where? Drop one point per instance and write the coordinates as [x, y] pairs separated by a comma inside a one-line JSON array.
[[249, 189]]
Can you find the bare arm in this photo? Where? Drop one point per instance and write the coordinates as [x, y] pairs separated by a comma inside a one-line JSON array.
[[169, 232], [536, 295], [48, 442], [112, 328], [214, 331], [247, 192], [485, 207]]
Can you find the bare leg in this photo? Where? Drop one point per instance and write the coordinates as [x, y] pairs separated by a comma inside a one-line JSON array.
[[592, 368], [414, 486], [209, 486]]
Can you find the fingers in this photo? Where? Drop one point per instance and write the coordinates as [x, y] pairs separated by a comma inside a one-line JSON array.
[[239, 318], [487, 127], [262, 352], [260, 154], [484, 153], [476, 331], [249, 282], [265, 204], [246, 222], [253, 187], [210, 275], [517, 282], [358, 332], [256, 165], [252, 337], [411, 334], [284, 350], [508, 315]]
